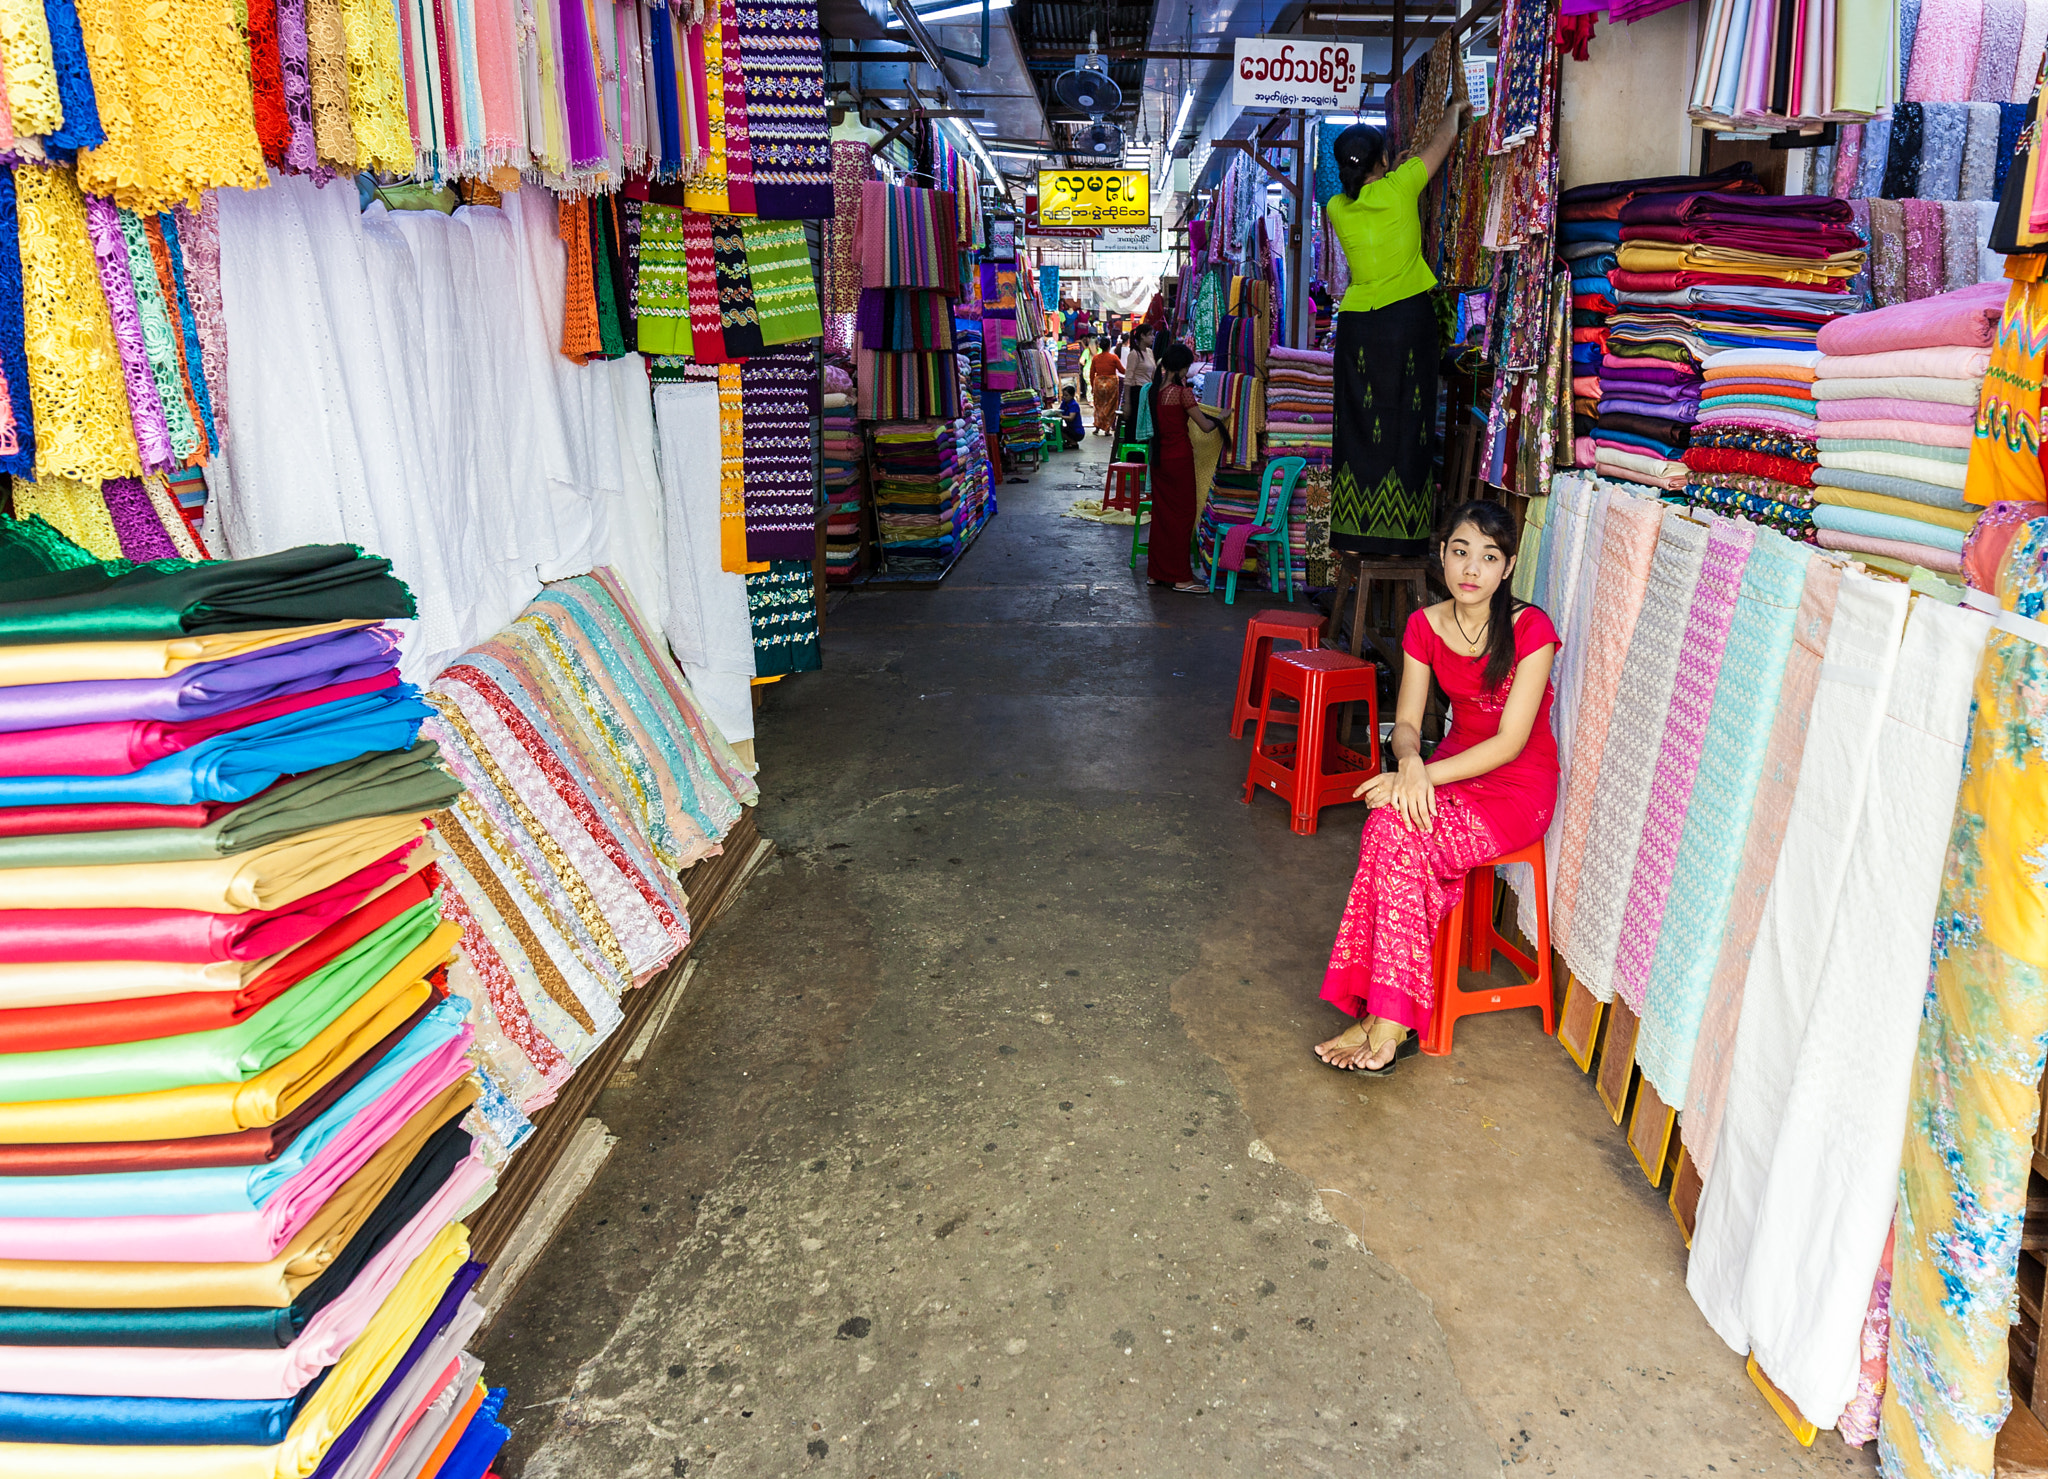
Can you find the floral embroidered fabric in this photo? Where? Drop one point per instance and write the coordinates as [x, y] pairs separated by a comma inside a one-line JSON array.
[[327, 71], [32, 96], [18, 446], [145, 406], [74, 366], [159, 339], [376, 87]]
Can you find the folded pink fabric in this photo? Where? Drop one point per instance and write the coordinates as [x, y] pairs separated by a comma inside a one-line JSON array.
[[1949, 362], [246, 1375], [1934, 413], [243, 1237], [1922, 432], [1765, 417], [1968, 316], [1944, 61], [1945, 562]]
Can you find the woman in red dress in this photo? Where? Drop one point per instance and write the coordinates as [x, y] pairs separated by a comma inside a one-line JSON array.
[[1174, 405], [1490, 788]]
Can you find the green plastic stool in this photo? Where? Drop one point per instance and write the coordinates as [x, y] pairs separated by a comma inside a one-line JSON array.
[[1131, 452], [1138, 546]]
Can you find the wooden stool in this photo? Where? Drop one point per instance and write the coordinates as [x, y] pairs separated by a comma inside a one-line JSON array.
[[1357, 575]]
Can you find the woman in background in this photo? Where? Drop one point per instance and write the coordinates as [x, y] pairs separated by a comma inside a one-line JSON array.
[[1174, 411], [1106, 387]]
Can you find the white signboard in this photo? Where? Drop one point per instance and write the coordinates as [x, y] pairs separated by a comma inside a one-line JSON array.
[[1298, 72], [1130, 238]]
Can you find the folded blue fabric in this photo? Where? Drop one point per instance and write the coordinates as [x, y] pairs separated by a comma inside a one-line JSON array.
[[480, 1441], [1589, 231], [1666, 450], [39, 1417], [228, 1188], [1711, 402], [1886, 526], [236, 765]]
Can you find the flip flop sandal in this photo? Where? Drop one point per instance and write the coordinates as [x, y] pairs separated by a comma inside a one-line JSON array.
[[1408, 1048]]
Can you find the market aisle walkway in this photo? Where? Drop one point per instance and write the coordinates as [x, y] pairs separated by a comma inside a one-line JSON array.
[[986, 1139]]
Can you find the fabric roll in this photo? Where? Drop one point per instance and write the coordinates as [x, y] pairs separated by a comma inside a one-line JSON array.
[[1623, 578], [1707, 1085], [38, 1419], [1998, 47], [1847, 519], [1959, 250], [443, 1333], [115, 660], [1904, 553], [1945, 45], [1954, 362], [1569, 604], [1628, 762], [1945, 130], [1877, 143], [1977, 1063], [1701, 650], [707, 621], [1716, 817], [1898, 508], [1978, 177], [1932, 495], [1902, 162], [1923, 390], [1786, 966], [1827, 1201]]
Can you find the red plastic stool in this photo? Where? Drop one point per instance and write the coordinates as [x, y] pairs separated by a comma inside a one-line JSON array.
[[1317, 680], [1260, 633], [1467, 936], [1123, 487]]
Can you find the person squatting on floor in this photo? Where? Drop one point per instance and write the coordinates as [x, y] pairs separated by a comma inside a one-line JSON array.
[[1490, 788]]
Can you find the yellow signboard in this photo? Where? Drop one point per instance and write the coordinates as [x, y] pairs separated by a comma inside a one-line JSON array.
[[1094, 197]]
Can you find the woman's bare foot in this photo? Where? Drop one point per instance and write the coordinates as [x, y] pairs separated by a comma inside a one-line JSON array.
[[1342, 1050]]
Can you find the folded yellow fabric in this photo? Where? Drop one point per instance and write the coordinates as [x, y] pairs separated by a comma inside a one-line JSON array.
[[273, 1284], [1903, 508], [73, 662], [222, 1109], [1676, 256], [267, 877], [350, 1384]]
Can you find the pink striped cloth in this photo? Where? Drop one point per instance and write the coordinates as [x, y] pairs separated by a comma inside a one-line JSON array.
[[1678, 763], [498, 80], [1934, 413], [1714, 1054], [1946, 562], [1624, 577], [1922, 433]]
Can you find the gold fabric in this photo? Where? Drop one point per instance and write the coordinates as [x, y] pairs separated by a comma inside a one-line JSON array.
[[31, 68], [1898, 508], [223, 1109], [76, 510], [75, 662], [268, 877], [1677, 256]]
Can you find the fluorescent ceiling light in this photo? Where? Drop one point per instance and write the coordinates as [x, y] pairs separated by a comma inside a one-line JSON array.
[[982, 124], [945, 11], [1187, 106]]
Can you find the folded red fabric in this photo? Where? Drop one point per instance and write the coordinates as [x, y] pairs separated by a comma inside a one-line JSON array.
[[92, 1023]]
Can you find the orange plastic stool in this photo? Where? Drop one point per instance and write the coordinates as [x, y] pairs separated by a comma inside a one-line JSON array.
[[1317, 680], [1260, 633], [1467, 936], [1123, 487]]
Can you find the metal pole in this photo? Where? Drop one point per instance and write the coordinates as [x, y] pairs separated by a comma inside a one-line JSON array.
[[1299, 319]]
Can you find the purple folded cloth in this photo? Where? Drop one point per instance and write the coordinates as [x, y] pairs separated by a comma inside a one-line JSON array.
[[337, 1455], [1700, 206], [205, 688], [1662, 410], [1646, 367]]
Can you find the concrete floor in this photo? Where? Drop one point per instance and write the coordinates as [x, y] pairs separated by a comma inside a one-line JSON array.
[[987, 1139]]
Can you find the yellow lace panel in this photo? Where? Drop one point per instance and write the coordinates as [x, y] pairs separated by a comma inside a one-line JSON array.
[[334, 136], [76, 510], [74, 368], [706, 190], [31, 70], [376, 87], [171, 78]]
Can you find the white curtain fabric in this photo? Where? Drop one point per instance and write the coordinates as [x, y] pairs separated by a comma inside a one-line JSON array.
[[408, 395], [1834, 1173], [706, 617], [1786, 964]]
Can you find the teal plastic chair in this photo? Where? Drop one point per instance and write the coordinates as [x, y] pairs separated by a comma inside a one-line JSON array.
[[1270, 531]]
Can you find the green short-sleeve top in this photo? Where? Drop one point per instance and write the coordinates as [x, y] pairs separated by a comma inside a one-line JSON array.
[[1381, 233]]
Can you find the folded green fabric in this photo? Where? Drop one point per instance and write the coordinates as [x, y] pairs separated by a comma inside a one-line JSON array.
[[224, 1055], [387, 783], [51, 597]]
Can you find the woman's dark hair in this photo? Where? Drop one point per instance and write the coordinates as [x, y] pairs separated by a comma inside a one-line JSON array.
[[1359, 150], [1497, 525], [1176, 356]]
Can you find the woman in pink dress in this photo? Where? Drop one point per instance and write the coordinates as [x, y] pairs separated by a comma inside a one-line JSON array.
[[1489, 788]]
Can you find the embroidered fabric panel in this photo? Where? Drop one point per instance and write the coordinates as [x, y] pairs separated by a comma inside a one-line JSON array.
[[783, 605], [793, 159], [781, 394], [785, 290]]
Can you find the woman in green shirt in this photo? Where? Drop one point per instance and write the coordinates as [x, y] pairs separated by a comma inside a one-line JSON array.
[[1387, 348]]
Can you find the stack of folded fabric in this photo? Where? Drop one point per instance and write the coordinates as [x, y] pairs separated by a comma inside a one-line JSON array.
[[1019, 430], [1234, 500], [845, 481], [1753, 449], [233, 1150], [1589, 239], [975, 499], [1699, 273], [1301, 404], [917, 469], [1897, 392]]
